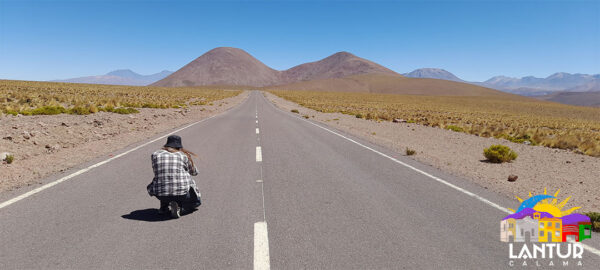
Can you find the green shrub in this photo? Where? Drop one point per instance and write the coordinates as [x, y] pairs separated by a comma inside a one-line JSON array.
[[455, 128], [410, 152], [499, 153], [9, 159], [45, 110], [306, 116], [518, 139], [14, 113], [595, 219], [79, 110], [295, 111], [358, 115]]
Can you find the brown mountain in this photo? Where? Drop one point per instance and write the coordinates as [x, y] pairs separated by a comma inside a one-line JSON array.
[[341, 64], [393, 84], [231, 66], [223, 66]]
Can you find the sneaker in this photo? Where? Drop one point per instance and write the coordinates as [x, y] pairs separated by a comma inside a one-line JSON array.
[[175, 211]]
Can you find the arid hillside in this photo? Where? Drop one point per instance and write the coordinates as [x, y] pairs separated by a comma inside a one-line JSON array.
[[338, 65], [223, 66], [232, 66], [591, 99], [393, 84]]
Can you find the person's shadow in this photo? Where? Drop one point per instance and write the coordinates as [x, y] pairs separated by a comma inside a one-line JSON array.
[[150, 215]]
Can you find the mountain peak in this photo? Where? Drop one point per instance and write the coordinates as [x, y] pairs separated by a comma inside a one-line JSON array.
[[337, 65], [223, 66], [125, 73], [342, 55], [433, 73]]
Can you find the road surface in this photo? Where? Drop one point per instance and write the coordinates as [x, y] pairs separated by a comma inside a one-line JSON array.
[[278, 191]]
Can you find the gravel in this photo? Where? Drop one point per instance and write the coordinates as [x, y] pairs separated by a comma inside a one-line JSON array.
[[461, 154], [46, 144]]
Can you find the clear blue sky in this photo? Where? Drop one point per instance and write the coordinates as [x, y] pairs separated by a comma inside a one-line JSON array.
[[45, 40]]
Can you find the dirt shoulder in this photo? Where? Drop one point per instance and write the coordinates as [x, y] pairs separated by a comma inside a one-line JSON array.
[[46, 144], [461, 154]]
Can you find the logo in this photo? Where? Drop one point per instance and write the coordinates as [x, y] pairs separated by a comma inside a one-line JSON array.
[[546, 230]]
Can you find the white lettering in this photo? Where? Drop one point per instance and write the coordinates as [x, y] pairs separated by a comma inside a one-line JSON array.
[[565, 263], [511, 263], [551, 263], [550, 247], [563, 256], [577, 251], [537, 250], [525, 253], [511, 254]]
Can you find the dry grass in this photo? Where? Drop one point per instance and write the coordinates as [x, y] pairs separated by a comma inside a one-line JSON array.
[[514, 118], [26, 97]]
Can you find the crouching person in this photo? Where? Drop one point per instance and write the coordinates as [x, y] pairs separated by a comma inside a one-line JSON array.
[[173, 184]]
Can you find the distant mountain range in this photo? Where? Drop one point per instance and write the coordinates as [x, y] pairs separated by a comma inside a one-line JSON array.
[[341, 71], [574, 89], [344, 71], [526, 86], [232, 66], [120, 77]]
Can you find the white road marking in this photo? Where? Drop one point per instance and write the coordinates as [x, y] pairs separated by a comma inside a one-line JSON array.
[[258, 154], [257, 121], [261, 246], [482, 199], [56, 182], [257, 131], [259, 181]]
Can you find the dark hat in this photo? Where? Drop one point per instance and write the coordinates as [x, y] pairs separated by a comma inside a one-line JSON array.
[[174, 141]]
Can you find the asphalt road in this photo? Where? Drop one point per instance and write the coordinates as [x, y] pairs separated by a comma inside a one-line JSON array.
[[307, 198]]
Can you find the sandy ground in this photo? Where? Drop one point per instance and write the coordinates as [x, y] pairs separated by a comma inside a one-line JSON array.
[[461, 154], [46, 144]]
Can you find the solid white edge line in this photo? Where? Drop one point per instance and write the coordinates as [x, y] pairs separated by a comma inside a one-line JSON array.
[[56, 182], [261, 246], [258, 154], [484, 200]]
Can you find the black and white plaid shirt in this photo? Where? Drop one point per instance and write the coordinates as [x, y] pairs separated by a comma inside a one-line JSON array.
[[172, 174]]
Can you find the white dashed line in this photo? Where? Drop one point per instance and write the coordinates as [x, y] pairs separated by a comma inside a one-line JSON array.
[[258, 154], [257, 132], [261, 246]]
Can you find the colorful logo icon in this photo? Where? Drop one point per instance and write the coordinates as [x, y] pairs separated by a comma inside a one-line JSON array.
[[540, 218]]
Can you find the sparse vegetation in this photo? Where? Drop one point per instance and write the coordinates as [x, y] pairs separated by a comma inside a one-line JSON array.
[[454, 128], [499, 153], [9, 159], [49, 98], [516, 119], [306, 116], [595, 219], [295, 111], [410, 152]]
